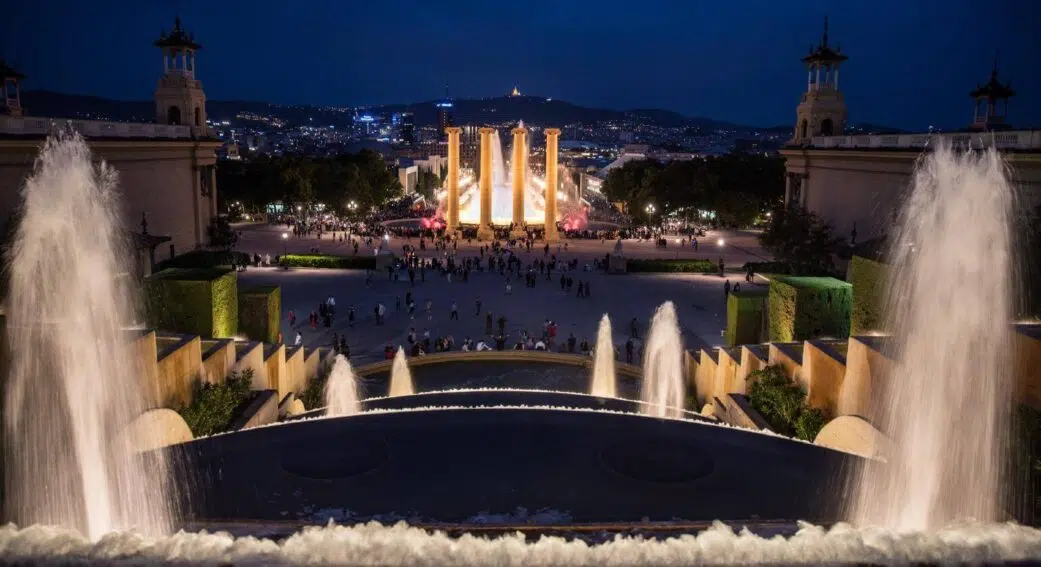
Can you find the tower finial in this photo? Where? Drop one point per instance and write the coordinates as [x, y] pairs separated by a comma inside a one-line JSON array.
[[824, 40]]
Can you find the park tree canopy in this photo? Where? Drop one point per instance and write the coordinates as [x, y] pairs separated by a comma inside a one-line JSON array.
[[737, 186], [363, 177]]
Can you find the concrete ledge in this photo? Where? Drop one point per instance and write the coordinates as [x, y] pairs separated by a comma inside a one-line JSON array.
[[262, 410], [158, 428], [854, 434], [736, 410], [621, 368], [249, 355]]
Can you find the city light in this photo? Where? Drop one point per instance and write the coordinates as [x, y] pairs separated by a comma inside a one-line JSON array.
[[720, 242]]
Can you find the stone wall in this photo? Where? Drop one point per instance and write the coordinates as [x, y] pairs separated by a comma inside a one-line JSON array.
[[160, 179]]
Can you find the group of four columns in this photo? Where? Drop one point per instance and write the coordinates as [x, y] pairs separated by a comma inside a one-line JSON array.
[[520, 156]]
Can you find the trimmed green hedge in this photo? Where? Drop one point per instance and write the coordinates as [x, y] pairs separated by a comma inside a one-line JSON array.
[[783, 268], [801, 308], [783, 404], [200, 302], [213, 405], [664, 265], [204, 259], [868, 279], [745, 316], [326, 261], [260, 312]]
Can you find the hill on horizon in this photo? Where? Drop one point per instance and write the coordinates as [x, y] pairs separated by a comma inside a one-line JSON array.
[[536, 110]]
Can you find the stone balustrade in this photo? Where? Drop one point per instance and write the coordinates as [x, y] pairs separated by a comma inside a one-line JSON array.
[[41, 126], [1009, 140]]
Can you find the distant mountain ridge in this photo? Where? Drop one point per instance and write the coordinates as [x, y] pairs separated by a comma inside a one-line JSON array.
[[536, 110]]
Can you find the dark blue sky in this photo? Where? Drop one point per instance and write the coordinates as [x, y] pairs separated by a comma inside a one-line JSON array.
[[912, 62]]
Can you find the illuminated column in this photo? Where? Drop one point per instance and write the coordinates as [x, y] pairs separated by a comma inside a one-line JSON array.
[[484, 228], [520, 168], [452, 209], [551, 184]]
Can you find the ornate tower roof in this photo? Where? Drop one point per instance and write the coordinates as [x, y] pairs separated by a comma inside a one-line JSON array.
[[824, 53], [8, 72], [993, 89], [177, 39]]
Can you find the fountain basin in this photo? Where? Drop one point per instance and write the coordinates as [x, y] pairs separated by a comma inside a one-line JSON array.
[[529, 370], [451, 465]]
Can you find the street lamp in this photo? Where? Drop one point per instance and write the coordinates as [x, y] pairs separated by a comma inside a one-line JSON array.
[[720, 242], [285, 243]]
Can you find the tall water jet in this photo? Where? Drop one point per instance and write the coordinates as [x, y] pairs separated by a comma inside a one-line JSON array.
[[946, 405], [73, 386], [664, 388], [603, 383], [341, 389], [400, 376]]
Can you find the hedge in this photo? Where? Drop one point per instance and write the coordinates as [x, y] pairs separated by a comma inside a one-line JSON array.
[[200, 302], [783, 404], [213, 405], [260, 312], [745, 317], [801, 308], [783, 268], [205, 259], [327, 261], [868, 279], [664, 265]]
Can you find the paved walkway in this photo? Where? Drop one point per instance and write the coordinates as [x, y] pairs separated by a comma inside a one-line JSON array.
[[737, 247], [699, 299]]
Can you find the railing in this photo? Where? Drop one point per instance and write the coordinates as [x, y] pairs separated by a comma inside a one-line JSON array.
[[26, 125], [1014, 140]]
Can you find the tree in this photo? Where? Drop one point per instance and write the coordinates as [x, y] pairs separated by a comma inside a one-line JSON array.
[[221, 234], [802, 239]]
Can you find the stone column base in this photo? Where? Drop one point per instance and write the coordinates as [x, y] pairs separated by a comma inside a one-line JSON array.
[[485, 232], [518, 232], [552, 236]]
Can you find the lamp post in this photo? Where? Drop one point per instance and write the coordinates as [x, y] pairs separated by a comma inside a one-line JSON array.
[[285, 243]]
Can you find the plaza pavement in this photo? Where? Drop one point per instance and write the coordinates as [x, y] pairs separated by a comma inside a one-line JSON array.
[[699, 299]]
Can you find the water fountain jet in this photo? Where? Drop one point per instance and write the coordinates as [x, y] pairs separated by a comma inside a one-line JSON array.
[[664, 387], [341, 389], [73, 391], [400, 376], [946, 405], [603, 383]]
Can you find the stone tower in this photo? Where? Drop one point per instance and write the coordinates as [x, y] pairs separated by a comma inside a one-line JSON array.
[[11, 101], [179, 99], [991, 110], [822, 111]]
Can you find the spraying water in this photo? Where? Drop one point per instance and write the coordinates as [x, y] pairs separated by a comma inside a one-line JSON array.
[[400, 376], [664, 388], [74, 386], [946, 407], [341, 389], [603, 364]]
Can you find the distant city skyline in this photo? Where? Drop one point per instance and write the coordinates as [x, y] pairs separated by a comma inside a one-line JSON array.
[[911, 64]]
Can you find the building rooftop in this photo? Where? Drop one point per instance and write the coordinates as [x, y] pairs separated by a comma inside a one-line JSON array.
[[1012, 140], [36, 126]]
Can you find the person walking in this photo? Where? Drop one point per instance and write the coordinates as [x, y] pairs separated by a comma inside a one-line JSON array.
[[454, 314]]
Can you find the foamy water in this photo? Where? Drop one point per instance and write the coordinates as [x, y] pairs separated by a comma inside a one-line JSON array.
[[378, 545], [73, 387], [946, 404], [400, 376], [604, 383], [664, 386], [341, 389]]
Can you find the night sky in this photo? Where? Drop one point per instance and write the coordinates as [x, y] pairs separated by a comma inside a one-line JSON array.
[[912, 62]]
